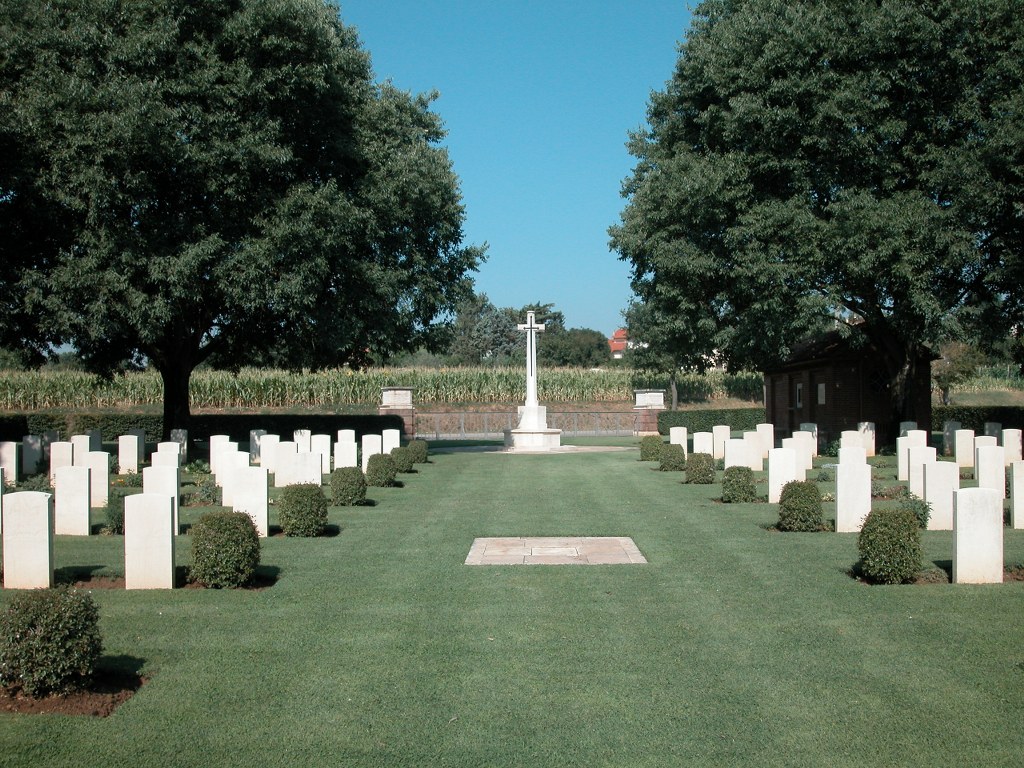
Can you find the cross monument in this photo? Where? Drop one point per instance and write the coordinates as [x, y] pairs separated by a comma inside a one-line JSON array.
[[532, 434], [532, 328]]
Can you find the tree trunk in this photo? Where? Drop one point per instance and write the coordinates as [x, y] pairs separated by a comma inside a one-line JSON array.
[[674, 388], [177, 413]]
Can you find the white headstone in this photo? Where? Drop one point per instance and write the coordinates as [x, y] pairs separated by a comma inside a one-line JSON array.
[[801, 450], [851, 438], [809, 443], [169, 447], [704, 442], [992, 429], [812, 429], [215, 442], [390, 439], [867, 433], [81, 448], [141, 434], [268, 451], [949, 430], [371, 445], [963, 447], [321, 445], [346, 435], [232, 465], [1017, 495], [907, 426], [165, 459], [782, 469], [286, 460], [990, 468], [302, 438], [150, 524], [254, 444], [10, 461], [61, 455], [48, 437], [1011, 443], [27, 540], [180, 436], [941, 481], [985, 440], [99, 477], [736, 453], [917, 457], [250, 495], [71, 497], [31, 454], [767, 433], [346, 455], [164, 481], [721, 433], [754, 460], [225, 449], [677, 436], [902, 458], [855, 454], [977, 536], [853, 495], [127, 454]]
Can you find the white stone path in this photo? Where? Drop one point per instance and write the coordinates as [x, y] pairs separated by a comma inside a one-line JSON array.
[[555, 550]]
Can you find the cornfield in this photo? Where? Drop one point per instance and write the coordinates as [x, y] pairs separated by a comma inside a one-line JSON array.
[[261, 388]]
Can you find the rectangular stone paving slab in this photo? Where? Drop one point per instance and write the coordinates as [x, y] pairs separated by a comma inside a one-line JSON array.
[[555, 550]]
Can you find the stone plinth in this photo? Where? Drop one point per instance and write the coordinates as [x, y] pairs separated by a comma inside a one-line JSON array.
[[648, 404], [397, 401], [532, 439], [149, 528], [27, 540], [977, 536]]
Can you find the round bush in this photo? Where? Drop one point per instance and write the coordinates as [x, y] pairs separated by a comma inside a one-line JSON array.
[[403, 459], [348, 486], [302, 510], [738, 486], [380, 471], [673, 458], [650, 448], [225, 549], [700, 469], [890, 546], [419, 450], [49, 641], [800, 507], [920, 508]]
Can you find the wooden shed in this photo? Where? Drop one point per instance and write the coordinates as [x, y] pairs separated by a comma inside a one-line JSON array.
[[836, 386]]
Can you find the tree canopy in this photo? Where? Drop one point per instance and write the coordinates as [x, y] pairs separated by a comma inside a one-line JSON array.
[[190, 180], [816, 162]]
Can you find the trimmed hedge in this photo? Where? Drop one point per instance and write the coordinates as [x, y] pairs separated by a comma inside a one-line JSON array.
[[348, 486], [302, 510], [800, 507], [225, 549], [975, 416], [380, 471], [49, 641], [700, 469], [739, 419], [673, 458], [890, 546], [420, 450], [738, 486], [650, 448], [403, 459]]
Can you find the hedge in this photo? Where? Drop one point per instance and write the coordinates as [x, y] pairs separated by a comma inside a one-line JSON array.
[[739, 419], [975, 416]]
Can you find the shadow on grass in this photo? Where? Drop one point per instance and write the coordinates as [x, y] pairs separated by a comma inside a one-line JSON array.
[[69, 574], [265, 577]]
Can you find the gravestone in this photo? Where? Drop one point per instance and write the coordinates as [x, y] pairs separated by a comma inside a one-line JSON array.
[[10, 461], [941, 481], [1017, 495], [99, 477], [302, 438], [851, 438], [855, 454], [141, 434], [977, 536], [867, 433], [782, 469], [907, 426], [49, 436], [809, 443], [736, 453], [180, 436], [224, 449], [902, 446], [61, 455], [286, 463], [165, 459], [127, 454], [802, 449], [754, 460], [963, 448], [721, 433], [346, 454], [766, 432], [812, 429], [254, 445], [169, 447], [268, 452], [390, 439], [150, 525], [27, 540], [990, 468], [215, 442], [346, 435], [321, 445], [917, 457], [31, 454], [233, 466], [853, 494], [250, 494], [71, 497], [1011, 443], [371, 445], [81, 449], [704, 442], [677, 436], [164, 481], [949, 430], [992, 429], [95, 439]]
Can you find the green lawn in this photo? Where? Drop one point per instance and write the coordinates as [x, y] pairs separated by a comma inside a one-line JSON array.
[[734, 645]]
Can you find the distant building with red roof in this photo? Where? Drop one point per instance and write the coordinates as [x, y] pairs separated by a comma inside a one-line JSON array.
[[618, 343]]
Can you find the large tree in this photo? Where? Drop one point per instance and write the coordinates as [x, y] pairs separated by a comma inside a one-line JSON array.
[[225, 180], [856, 161]]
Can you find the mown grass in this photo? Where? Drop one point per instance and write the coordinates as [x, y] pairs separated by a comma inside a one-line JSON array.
[[734, 645]]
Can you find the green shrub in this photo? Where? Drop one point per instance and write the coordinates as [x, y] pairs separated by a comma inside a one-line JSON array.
[[49, 641], [890, 546], [348, 486], [700, 469], [420, 450], [403, 459], [302, 510], [204, 493], [225, 549], [738, 486], [40, 482], [800, 507], [920, 508], [114, 511], [380, 471], [703, 420], [673, 458], [650, 448], [129, 479]]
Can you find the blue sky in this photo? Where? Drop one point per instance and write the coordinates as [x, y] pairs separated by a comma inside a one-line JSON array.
[[538, 97]]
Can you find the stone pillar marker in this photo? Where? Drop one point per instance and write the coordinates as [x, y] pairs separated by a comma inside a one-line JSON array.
[[149, 530], [532, 433], [27, 540], [977, 536], [941, 481], [704, 442], [71, 495]]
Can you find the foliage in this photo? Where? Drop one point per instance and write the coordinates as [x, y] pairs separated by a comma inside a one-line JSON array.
[[380, 471], [890, 546], [129, 479], [650, 447], [113, 512], [403, 459], [40, 482], [975, 416], [264, 237], [225, 549], [700, 469], [738, 486], [420, 450], [348, 486], [204, 492], [672, 457], [737, 419], [574, 348], [812, 162], [917, 506], [482, 334], [800, 507], [957, 363], [49, 641], [302, 510]]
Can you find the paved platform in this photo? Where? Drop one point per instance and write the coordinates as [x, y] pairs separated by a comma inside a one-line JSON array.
[[555, 550]]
